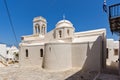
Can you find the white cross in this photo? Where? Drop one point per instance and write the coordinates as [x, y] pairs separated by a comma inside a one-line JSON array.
[[63, 16]]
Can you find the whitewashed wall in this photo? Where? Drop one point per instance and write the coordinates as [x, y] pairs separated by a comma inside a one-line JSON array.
[[33, 59], [57, 56], [87, 55], [2, 50]]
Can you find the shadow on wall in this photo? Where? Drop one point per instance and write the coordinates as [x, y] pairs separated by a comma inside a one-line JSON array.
[[94, 53], [92, 63]]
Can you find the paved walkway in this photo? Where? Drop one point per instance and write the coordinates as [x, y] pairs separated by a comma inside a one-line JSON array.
[[108, 77], [15, 73], [32, 73]]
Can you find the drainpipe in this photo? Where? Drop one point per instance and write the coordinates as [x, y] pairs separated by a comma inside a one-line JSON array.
[[119, 56]]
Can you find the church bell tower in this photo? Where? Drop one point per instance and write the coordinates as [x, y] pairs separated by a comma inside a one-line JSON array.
[[39, 26]]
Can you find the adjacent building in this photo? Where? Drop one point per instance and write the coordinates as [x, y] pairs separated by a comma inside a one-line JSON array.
[[2, 52], [8, 54], [112, 53], [12, 53]]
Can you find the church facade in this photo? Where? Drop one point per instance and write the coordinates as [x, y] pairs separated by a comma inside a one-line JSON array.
[[62, 48]]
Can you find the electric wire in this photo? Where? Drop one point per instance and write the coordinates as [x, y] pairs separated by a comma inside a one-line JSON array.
[[10, 20]]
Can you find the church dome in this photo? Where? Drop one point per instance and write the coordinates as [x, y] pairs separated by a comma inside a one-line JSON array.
[[64, 23]]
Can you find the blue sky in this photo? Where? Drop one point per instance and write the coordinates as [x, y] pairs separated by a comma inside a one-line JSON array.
[[84, 14]]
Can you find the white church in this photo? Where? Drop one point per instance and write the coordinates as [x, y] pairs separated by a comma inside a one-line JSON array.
[[62, 48]]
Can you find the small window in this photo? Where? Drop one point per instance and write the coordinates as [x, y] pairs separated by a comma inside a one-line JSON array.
[[50, 49], [22, 38], [107, 52], [7, 52], [26, 52], [41, 52], [115, 51], [6, 59], [68, 32], [60, 33], [38, 29]]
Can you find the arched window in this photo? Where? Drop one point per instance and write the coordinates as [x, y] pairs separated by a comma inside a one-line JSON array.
[[41, 52], [26, 52], [37, 28], [42, 31], [60, 33], [68, 32]]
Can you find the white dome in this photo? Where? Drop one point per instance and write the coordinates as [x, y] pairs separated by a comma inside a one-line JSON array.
[[64, 23]]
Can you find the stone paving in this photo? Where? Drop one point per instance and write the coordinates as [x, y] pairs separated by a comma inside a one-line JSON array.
[[13, 73], [108, 77], [16, 73]]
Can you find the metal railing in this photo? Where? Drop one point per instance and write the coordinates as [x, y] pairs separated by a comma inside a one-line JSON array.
[[114, 11]]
